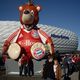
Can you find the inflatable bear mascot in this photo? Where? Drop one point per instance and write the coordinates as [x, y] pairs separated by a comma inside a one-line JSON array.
[[28, 39]]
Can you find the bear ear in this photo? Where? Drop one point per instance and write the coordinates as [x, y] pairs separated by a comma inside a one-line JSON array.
[[20, 8], [38, 8]]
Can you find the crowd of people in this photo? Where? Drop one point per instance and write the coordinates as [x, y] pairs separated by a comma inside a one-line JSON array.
[[51, 69], [61, 67], [54, 68], [70, 64]]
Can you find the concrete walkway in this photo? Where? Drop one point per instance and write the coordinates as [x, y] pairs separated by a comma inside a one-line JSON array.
[[74, 76]]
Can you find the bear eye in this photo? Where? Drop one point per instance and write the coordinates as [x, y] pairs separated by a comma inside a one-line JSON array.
[[32, 12]]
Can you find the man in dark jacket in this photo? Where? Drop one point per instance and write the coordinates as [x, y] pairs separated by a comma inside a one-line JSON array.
[[48, 71]]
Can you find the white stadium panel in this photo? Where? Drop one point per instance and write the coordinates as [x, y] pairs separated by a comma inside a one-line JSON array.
[[63, 40]]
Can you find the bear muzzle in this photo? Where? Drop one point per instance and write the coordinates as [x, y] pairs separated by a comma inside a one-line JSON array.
[[27, 17]]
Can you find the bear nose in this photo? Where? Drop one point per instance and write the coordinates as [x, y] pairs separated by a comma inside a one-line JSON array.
[[26, 12]]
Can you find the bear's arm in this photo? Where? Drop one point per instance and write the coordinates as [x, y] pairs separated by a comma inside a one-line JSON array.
[[8, 41], [46, 40]]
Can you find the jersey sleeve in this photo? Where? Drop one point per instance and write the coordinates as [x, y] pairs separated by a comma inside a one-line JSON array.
[[44, 37], [8, 40], [13, 35]]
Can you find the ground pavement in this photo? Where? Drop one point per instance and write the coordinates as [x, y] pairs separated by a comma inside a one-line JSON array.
[[74, 76]]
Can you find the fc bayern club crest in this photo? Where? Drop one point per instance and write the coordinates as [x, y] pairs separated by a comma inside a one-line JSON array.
[[38, 50], [35, 34], [38, 53]]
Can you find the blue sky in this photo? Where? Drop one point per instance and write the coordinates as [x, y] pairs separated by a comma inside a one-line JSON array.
[[62, 13]]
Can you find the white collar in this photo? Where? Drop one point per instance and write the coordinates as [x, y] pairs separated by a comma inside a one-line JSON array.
[[22, 27]]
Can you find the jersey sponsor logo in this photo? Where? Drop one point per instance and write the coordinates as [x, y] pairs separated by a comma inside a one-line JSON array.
[[26, 43]]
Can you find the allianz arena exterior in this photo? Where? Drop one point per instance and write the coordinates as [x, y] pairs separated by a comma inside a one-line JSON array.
[[64, 41]]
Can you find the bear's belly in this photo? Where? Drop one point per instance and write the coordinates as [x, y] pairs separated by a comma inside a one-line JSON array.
[[27, 39], [27, 44]]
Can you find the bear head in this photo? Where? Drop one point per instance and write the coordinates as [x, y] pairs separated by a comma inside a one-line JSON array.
[[29, 14]]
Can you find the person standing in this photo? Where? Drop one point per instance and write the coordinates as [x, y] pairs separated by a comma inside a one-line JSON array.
[[57, 55], [22, 63], [48, 71], [65, 65], [30, 68], [66, 68], [57, 70]]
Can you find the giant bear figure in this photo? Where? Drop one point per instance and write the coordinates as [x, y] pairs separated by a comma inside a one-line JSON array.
[[28, 39]]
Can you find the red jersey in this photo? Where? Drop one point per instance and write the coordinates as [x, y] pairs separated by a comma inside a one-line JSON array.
[[27, 38]]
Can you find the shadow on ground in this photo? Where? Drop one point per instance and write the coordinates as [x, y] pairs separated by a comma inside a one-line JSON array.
[[11, 77]]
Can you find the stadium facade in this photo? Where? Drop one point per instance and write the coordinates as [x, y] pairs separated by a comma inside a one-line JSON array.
[[64, 41]]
